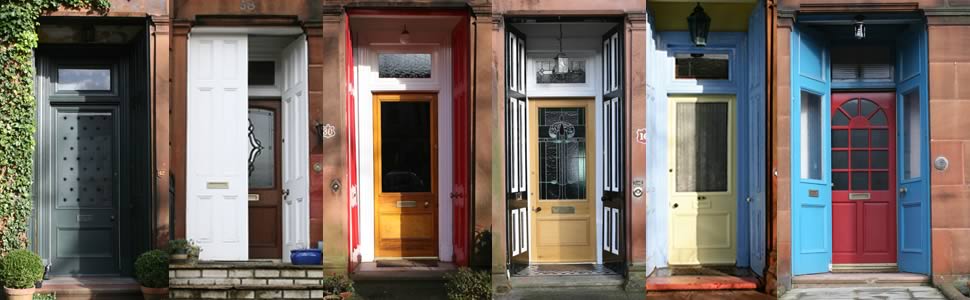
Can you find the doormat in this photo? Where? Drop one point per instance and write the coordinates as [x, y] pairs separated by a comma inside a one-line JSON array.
[[702, 271], [405, 263], [566, 270]]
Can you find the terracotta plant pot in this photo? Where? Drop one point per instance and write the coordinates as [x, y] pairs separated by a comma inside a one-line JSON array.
[[154, 293], [346, 295], [332, 297], [179, 258], [19, 294]]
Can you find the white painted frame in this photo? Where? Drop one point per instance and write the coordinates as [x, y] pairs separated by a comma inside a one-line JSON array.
[[369, 83]]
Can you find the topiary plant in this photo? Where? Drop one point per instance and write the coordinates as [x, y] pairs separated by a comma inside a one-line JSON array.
[[467, 284], [21, 269], [151, 269]]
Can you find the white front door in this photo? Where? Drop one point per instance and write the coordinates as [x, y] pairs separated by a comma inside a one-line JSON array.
[[296, 201], [217, 181]]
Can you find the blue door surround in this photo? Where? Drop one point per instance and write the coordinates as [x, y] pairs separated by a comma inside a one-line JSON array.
[[811, 197]]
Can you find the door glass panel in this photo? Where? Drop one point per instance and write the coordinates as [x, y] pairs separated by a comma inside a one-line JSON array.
[[811, 136], [702, 147], [911, 137], [851, 107], [405, 147], [840, 159], [84, 79], [879, 138], [860, 138], [262, 148], [879, 159], [562, 153], [860, 181], [860, 159], [840, 138], [880, 181], [878, 119], [840, 181], [868, 107], [840, 119]]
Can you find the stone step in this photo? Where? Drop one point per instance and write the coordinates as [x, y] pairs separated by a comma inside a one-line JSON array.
[[86, 288], [553, 281], [700, 283], [860, 280]]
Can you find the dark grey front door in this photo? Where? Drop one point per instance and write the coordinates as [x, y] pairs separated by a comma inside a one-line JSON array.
[[80, 174]]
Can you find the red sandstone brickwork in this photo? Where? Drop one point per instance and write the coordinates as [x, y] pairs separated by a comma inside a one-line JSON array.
[[950, 137]]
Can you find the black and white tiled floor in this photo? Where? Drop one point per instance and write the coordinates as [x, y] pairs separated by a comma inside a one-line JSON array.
[[566, 270]]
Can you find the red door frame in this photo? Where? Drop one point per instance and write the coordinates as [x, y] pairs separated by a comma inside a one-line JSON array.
[[872, 221], [461, 118]]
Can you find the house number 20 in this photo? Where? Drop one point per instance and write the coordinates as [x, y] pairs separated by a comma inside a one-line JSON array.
[[247, 5]]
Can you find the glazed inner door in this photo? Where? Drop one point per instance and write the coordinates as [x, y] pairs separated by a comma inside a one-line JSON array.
[[265, 187], [863, 178], [405, 171], [703, 205], [562, 181]]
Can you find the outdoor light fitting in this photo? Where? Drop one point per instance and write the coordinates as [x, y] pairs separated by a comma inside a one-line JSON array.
[[405, 35], [859, 29], [699, 24], [562, 62]]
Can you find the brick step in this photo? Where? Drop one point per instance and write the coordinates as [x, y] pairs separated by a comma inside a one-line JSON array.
[[245, 293], [860, 280]]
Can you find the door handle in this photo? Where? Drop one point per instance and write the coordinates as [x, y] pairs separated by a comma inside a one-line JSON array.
[[676, 205], [537, 209], [748, 199], [903, 190], [701, 198], [426, 203], [112, 218]]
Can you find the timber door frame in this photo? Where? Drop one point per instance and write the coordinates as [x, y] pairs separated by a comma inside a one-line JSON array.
[[533, 178], [732, 168], [431, 196]]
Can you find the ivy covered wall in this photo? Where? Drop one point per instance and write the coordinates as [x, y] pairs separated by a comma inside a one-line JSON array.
[[18, 38]]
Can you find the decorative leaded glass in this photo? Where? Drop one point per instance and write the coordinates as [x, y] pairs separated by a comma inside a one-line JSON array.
[[562, 153], [702, 147], [404, 65], [262, 139]]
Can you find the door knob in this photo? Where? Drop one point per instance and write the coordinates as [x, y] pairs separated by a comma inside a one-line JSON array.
[[112, 218], [903, 190], [676, 205], [537, 209], [426, 203]]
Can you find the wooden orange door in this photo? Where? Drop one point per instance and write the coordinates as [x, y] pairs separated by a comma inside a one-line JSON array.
[[405, 176], [863, 178]]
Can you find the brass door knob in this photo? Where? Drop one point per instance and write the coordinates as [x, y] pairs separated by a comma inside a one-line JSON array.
[[537, 209]]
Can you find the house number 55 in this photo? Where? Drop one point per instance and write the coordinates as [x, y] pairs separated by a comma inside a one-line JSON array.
[[247, 5]]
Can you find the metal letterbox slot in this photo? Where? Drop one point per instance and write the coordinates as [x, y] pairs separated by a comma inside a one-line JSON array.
[[564, 210], [404, 204], [813, 193], [253, 197], [860, 196], [84, 218], [217, 185]]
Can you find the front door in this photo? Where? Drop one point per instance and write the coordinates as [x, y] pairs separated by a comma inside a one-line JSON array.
[[703, 205], [562, 192], [265, 240], [863, 178], [405, 176]]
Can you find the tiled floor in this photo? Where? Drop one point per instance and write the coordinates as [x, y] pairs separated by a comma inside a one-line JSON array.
[[565, 269], [867, 293]]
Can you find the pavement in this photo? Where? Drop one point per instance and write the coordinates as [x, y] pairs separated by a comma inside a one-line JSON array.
[[400, 289], [865, 293], [561, 293]]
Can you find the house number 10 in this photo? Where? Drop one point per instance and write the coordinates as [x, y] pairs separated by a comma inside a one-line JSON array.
[[247, 5]]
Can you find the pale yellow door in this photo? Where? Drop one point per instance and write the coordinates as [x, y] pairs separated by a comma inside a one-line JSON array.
[[703, 206], [562, 186]]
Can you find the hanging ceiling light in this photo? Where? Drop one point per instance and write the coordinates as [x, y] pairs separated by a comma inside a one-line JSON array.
[[562, 62], [405, 35], [859, 29], [699, 24]]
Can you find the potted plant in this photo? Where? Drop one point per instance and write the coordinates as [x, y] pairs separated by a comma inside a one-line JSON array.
[[151, 271], [183, 251], [338, 287], [468, 284], [20, 271]]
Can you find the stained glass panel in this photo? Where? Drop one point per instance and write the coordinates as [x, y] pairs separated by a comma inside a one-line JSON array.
[[562, 153], [262, 147]]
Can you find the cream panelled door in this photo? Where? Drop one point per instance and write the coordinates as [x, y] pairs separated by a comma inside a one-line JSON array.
[[216, 169], [562, 190], [296, 158], [703, 206]]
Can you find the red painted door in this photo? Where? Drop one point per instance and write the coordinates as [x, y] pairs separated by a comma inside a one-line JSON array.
[[460, 139], [353, 211], [863, 178]]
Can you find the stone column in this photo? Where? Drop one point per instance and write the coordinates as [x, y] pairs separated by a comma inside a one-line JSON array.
[[636, 114], [160, 79], [334, 96]]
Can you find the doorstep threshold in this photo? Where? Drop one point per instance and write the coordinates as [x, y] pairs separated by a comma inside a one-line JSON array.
[[868, 279], [701, 278], [372, 271]]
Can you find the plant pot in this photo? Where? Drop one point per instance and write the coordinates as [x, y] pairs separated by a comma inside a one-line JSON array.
[[179, 258], [346, 295], [332, 297], [154, 293], [19, 294], [306, 256]]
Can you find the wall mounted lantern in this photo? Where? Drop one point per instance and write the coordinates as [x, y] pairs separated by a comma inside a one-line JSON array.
[[405, 35], [859, 29], [699, 25]]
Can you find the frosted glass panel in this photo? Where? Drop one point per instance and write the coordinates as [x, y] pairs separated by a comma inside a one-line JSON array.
[[262, 148], [911, 126], [702, 147], [811, 136], [404, 65]]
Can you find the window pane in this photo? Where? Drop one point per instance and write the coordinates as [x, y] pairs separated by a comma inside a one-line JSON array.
[[879, 159], [860, 159], [262, 73], [879, 138], [868, 107], [860, 181], [262, 148], [404, 65], [811, 136], [851, 107], [840, 181], [78, 79], [878, 119], [405, 146], [562, 153], [911, 135], [709, 66], [702, 147], [840, 119], [840, 159], [880, 181], [840, 138], [860, 138]]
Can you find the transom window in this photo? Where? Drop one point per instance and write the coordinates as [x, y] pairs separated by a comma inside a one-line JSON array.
[[404, 65]]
